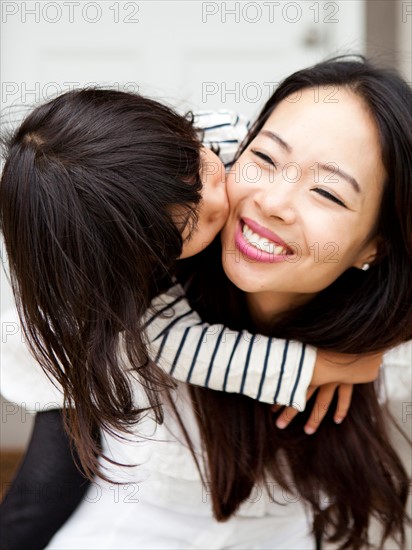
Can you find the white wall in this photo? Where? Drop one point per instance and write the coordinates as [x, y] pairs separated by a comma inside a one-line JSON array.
[[404, 38]]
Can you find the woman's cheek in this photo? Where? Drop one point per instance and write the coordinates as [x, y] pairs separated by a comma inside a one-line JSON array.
[[322, 231], [239, 198]]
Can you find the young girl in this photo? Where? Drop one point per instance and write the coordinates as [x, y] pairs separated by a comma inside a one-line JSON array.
[[102, 191]]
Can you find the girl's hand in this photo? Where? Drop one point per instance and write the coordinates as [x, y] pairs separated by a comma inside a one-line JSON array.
[[345, 368], [320, 407], [333, 371]]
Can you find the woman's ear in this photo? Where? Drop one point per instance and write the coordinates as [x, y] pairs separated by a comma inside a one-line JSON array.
[[372, 253]]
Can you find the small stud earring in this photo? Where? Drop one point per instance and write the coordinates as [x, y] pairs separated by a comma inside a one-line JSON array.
[[365, 267]]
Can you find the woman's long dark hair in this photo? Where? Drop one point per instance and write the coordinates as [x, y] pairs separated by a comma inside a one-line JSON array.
[[86, 200], [354, 463]]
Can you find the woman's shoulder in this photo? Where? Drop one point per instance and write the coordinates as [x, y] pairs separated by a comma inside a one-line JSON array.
[[397, 377], [23, 381], [399, 356]]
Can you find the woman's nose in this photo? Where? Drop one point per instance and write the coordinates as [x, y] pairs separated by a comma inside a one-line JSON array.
[[277, 201]]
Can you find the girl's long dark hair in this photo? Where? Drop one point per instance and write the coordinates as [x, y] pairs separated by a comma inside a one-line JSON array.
[[86, 200], [354, 463]]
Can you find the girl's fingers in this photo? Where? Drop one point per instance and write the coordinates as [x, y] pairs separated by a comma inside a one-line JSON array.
[[320, 408], [344, 401], [289, 413], [285, 417], [310, 392]]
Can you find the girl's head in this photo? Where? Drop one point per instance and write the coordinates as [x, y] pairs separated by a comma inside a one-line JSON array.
[[127, 169], [98, 192], [322, 194]]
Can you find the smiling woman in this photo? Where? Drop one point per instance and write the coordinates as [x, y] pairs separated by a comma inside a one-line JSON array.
[[322, 255], [295, 213]]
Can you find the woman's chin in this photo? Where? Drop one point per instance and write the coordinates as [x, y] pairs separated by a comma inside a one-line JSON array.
[[242, 276]]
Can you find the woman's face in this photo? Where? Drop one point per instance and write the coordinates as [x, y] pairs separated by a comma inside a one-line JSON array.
[[304, 198]]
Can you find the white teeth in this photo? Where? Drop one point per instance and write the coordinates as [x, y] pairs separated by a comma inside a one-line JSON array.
[[262, 243]]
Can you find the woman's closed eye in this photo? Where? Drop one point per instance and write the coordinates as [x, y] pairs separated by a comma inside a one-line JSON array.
[[329, 196], [266, 158], [269, 161]]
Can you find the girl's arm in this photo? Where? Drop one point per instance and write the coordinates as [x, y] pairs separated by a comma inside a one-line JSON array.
[[271, 370], [267, 369]]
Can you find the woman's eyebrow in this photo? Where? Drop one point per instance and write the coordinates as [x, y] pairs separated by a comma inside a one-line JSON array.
[[277, 139], [336, 170], [332, 168]]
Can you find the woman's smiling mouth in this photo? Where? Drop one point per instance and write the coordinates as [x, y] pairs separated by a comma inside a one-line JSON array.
[[260, 244]]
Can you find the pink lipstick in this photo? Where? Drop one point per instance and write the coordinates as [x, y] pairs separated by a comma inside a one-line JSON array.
[[255, 254]]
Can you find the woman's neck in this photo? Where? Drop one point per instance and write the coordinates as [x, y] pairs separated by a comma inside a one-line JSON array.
[[265, 306]]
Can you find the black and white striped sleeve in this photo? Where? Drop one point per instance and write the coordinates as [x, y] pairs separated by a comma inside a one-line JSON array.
[[223, 131], [267, 369]]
